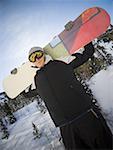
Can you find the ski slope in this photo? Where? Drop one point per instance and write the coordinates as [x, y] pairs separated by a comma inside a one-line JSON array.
[[21, 132]]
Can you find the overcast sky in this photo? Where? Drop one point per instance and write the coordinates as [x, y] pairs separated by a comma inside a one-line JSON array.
[[27, 23]]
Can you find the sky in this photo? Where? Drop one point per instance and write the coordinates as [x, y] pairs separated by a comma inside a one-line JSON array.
[[28, 23]]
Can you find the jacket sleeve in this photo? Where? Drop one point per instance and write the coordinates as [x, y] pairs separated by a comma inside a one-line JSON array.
[[82, 58], [31, 93]]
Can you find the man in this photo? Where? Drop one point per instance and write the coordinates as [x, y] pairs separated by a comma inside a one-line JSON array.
[[71, 109]]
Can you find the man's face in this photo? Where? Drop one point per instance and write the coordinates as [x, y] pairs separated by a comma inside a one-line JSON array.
[[40, 62]]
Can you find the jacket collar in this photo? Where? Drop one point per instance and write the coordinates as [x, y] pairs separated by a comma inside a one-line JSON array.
[[47, 58]]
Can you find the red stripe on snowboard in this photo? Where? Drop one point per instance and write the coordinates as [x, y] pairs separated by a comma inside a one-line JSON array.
[[89, 25]]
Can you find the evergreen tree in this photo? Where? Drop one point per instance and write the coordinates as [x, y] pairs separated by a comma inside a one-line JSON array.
[[109, 60], [40, 105], [9, 114], [36, 132], [4, 130], [111, 26]]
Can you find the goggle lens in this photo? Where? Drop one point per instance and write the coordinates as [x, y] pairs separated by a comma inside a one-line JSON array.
[[35, 55]]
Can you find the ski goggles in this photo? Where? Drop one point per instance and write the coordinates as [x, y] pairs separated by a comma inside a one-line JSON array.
[[35, 55]]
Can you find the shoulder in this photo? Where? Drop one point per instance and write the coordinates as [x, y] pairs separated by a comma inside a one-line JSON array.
[[66, 59]]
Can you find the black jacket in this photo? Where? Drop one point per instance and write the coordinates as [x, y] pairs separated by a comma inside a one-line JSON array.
[[57, 85]]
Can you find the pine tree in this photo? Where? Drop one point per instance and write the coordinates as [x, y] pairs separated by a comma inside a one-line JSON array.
[[9, 114], [109, 60], [36, 132], [40, 105], [4, 130], [103, 54]]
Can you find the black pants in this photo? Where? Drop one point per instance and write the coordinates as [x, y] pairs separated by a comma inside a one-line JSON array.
[[89, 132]]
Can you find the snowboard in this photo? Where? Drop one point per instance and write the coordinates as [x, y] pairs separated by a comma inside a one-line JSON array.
[[19, 79], [92, 23]]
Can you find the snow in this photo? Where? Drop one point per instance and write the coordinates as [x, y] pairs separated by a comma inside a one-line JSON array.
[[101, 85], [21, 132], [108, 47]]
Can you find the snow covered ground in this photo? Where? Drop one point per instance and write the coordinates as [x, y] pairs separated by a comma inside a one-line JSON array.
[[101, 85], [21, 132]]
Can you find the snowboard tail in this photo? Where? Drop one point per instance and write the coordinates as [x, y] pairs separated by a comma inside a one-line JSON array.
[[19, 79]]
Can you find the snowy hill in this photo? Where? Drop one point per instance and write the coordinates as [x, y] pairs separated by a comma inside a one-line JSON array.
[[101, 85], [21, 132]]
